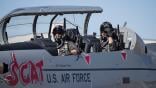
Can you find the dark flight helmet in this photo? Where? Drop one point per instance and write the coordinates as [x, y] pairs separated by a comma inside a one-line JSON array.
[[106, 27], [58, 30]]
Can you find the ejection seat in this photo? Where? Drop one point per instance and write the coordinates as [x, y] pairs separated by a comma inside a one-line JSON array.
[[91, 43], [73, 34], [87, 43]]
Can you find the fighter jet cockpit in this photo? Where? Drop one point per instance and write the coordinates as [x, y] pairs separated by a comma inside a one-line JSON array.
[[33, 29]]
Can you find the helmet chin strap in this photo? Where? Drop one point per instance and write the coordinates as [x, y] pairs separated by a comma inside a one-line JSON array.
[[60, 40], [60, 43]]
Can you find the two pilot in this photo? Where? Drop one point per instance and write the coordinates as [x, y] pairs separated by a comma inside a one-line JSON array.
[[66, 47]]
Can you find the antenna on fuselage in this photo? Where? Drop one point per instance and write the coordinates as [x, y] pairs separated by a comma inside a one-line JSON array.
[[64, 24], [125, 23]]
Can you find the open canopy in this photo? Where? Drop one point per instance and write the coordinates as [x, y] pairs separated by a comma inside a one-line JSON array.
[[54, 10], [66, 15]]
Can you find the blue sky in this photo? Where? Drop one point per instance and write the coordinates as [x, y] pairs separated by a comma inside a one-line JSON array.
[[139, 14]]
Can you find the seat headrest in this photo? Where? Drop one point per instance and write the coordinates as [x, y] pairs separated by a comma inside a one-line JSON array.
[[72, 34]]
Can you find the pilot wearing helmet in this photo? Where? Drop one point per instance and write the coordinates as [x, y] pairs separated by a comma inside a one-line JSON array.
[[65, 47], [107, 39]]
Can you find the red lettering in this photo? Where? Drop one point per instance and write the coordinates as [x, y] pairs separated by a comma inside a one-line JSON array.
[[20, 69], [23, 77], [13, 78], [34, 76], [40, 65]]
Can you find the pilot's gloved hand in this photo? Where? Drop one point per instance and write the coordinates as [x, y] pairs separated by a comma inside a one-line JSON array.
[[110, 40], [74, 52]]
